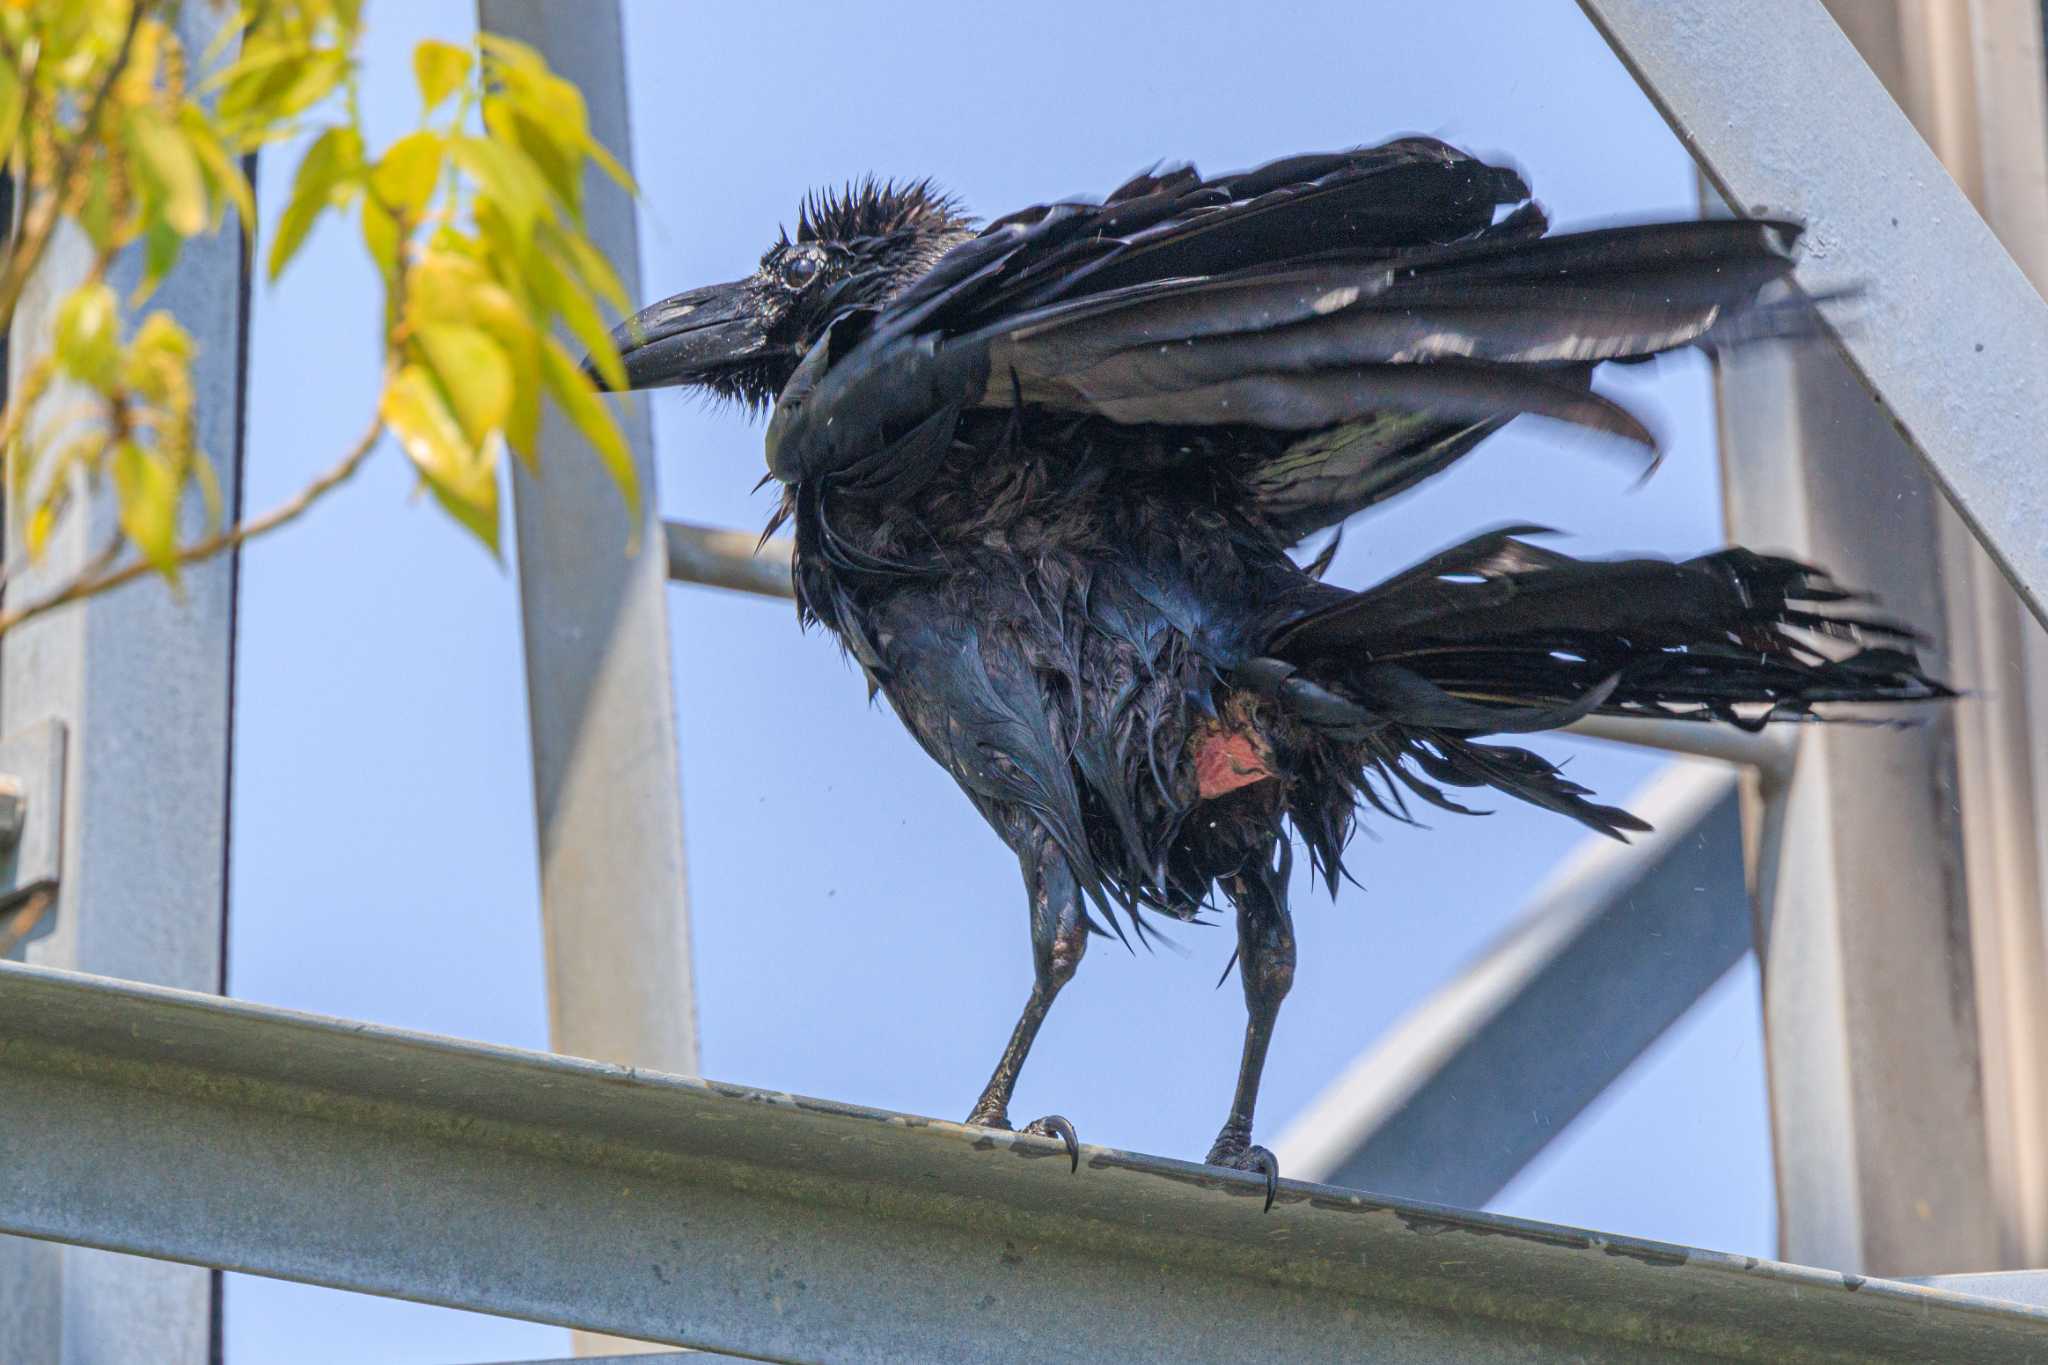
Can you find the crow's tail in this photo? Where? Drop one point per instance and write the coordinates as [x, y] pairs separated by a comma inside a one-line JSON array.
[[1499, 636]]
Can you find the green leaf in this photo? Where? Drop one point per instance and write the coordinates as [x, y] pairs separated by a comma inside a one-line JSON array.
[[333, 160], [88, 338], [438, 67], [405, 175], [579, 401], [462, 478], [160, 248], [473, 372], [172, 171]]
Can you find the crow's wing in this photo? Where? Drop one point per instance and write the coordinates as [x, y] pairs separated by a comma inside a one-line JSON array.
[[1361, 319]]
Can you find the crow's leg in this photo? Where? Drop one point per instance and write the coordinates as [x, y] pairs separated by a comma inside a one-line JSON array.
[[1265, 963], [1058, 938]]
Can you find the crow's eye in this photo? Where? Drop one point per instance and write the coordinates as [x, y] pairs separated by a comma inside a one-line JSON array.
[[799, 268]]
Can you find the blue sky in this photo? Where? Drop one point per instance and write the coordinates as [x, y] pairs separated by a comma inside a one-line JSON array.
[[858, 933]]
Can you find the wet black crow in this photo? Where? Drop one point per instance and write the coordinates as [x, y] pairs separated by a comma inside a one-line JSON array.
[[1044, 478]]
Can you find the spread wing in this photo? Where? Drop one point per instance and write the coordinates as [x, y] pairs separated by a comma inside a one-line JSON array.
[[1336, 327]]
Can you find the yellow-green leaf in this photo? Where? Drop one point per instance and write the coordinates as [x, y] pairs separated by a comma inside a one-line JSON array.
[[405, 174], [88, 339], [439, 67], [223, 172], [42, 523], [462, 478], [474, 373], [577, 397], [511, 53], [148, 492], [507, 177], [517, 130], [208, 479], [567, 299], [315, 79], [13, 100], [173, 171], [380, 235], [335, 157], [596, 271]]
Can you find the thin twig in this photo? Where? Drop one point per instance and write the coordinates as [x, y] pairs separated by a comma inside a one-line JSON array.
[[96, 578]]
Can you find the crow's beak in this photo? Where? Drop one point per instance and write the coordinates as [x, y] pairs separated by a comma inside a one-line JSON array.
[[687, 338]]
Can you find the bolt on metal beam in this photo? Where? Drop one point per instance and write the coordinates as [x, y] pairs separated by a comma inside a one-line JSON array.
[[178, 1125]]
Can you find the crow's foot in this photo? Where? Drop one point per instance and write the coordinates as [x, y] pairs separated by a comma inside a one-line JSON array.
[[1051, 1126], [1240, 1155]]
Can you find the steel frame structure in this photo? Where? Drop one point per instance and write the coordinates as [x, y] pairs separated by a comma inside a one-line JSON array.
[[183, 1128]]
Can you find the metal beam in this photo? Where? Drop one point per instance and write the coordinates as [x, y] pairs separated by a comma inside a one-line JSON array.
[[607, 779], [720, 558], [1466, 1090], [333, 1152], [138, 686], [1783, 116]]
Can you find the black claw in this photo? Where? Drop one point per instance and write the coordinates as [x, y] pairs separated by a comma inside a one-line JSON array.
[[1056, 1125], [1259, 1159]]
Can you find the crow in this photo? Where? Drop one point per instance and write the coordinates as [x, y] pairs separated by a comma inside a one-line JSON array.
[[1045, 476]]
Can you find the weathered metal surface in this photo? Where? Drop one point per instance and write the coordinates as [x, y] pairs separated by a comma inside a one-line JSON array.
[[178, 1125], [1466, 1090]]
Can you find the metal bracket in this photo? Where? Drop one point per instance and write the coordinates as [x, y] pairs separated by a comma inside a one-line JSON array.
[[31, 831]]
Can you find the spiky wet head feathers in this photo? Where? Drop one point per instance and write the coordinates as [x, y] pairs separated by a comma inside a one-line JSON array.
[[871, 208]]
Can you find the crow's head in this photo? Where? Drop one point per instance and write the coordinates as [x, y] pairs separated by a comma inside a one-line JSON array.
[[853, 248]]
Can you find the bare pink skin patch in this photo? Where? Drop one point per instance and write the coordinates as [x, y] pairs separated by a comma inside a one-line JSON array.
[[1228, 759]]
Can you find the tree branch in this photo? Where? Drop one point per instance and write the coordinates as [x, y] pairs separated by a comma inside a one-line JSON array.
[[96, 578]]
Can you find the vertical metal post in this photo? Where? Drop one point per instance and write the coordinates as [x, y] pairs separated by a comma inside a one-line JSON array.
[[1901, 903], [1863, 922], [142, 682], [606, 776], [1972, 79]]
